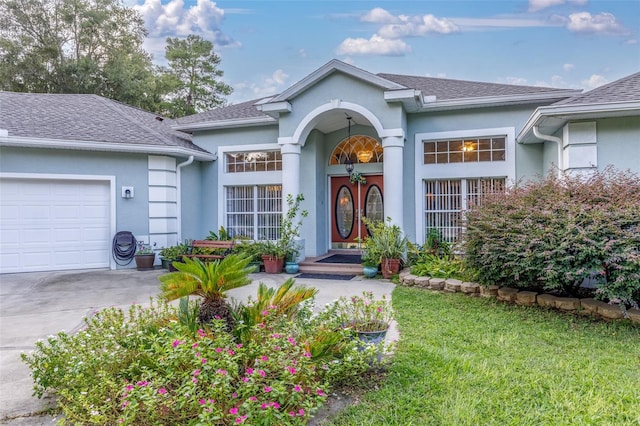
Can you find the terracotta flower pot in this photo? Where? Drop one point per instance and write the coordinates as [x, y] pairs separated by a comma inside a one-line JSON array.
[[390, 267], [272, 264], [144, 262]]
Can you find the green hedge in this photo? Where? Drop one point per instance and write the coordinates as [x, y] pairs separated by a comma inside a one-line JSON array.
[[554, 233]]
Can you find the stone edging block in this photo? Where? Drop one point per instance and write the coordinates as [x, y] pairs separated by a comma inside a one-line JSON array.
[[526, 298], [489, 291], [436, 283], [452, 285], [507, 294], [470, 288]]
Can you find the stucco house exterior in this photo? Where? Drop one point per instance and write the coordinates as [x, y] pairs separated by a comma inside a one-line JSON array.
[[426, 147]]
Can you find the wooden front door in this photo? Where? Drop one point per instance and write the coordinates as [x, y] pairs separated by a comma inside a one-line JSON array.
[[348, 205]]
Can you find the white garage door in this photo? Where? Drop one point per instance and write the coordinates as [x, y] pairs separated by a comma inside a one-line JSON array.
[[50, 225]]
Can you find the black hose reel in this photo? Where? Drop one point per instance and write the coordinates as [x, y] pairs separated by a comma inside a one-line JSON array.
[[124, 247]]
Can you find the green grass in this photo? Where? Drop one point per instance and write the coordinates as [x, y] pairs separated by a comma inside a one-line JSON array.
[[472, 361]]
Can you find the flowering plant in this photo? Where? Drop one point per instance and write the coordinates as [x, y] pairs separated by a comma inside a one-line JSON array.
[[356, 177], [364, 313], [144, 248]]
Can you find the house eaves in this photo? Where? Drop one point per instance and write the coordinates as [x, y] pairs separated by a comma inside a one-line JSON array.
[[549, 119], [329, 68], [226, 124], [431, 103], [27, 142]]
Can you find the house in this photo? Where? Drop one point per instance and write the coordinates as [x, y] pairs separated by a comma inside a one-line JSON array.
[[424, 147]]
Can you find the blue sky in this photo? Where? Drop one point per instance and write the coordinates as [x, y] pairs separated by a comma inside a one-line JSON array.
[[266, 46]]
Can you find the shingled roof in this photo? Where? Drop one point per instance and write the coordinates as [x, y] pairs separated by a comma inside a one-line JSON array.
[[232, 112], [86, 118], [622, 90], [448, 89]]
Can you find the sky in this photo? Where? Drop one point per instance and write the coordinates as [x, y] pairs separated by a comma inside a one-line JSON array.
[[266, 46]]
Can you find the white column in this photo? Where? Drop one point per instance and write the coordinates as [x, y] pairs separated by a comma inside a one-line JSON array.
[[393, 178], [290, 170]]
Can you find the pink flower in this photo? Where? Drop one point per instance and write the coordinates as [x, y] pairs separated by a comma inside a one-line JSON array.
[[320, 392], [204, 361], [194, 380], [291, 370], [142, 383], [275, 405], [233, 411], [176, 343], [125, 403], [195, 345], [275, 336], [230, 352], [196, 372], [267, 389], [301, 412], [297, 388], [201, 401], [264, 406], [265, 313], [291, 340], [129, 387], [292, 413], [239, 345], [307, 354], [201, 333], [262, 373], [218, 350], [240, 419], [264, 358], [221, 372], [253, 398], [234, 395], [261, 325], [162, 391], [245, 379], [249, 371]]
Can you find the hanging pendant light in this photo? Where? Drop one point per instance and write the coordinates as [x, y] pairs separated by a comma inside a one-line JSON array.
[[348, 165]]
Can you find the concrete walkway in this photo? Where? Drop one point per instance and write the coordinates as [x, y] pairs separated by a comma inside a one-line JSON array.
[[36, 305]]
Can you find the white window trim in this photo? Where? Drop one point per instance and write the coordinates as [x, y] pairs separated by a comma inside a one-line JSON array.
[[489, 169], [240, 179]]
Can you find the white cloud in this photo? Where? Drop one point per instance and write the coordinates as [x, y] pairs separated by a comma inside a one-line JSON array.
[[520, 81], [568, 67], [536, 5], [631, 41], [500, 22], [375, 45], [174, 19], [302, 53], [439, 75], [594, 81], [379, 15], [418, 26], [602, 23]]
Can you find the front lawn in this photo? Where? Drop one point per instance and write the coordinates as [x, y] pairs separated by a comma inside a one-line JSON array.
[[473, 361]]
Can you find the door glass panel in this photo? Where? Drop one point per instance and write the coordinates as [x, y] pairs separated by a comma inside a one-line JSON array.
[[344, 212], [373, 208]]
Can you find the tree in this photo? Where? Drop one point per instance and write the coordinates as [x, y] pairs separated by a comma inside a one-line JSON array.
[[76, 46], [193, 66]]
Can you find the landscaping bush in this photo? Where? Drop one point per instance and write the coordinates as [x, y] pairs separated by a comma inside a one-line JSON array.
[[555, 233], [150, 367]]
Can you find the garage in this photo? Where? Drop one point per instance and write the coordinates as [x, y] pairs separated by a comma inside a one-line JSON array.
[[51, 224]]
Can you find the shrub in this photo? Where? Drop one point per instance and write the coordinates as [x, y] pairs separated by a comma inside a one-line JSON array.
[[555, 233], [434, 266], [149, 367]]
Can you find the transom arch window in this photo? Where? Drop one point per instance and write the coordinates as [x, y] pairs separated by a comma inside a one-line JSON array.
[[358, 149]]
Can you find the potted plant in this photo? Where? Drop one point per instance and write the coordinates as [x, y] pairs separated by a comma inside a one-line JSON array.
[[145, 257], [173, 254], [369, 318], [370, 263], [274, 253], [253, 251], [386, 245]]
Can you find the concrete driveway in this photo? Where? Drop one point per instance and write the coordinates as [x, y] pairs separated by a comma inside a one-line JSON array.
[[36, 305]]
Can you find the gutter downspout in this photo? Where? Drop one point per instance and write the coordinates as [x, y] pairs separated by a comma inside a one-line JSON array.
[[557, 140], [179, 194]]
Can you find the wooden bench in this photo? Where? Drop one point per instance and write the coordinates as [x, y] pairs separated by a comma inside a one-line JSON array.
[[225, 245]]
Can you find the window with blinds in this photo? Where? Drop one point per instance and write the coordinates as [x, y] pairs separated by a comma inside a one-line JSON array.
[[446, 200], [254, 211]]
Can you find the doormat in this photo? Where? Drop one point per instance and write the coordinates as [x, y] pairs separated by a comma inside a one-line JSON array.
[[342, 258], [337, 277]]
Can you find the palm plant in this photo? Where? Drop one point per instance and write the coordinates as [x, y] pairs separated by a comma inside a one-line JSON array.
[[209, 280]]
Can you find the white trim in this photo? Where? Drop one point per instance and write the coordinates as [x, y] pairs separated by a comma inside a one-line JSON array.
[[562, 113], [99, 178], [490, 169], [485, 101], [26, 142], [310, 120], [274, 109], [248, 178], [225, 124], [328, 69]]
